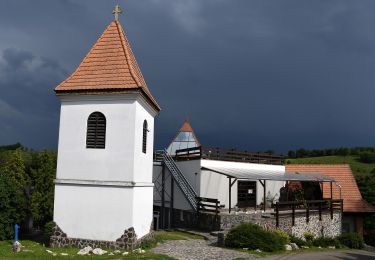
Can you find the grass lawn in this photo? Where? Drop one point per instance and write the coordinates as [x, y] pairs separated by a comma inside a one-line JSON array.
[[34, 250]]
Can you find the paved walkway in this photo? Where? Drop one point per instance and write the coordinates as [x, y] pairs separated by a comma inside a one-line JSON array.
[[330, 255], [197, 249]]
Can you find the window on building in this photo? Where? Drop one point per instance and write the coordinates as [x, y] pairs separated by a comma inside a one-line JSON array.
[[144, 142], [96, 128]]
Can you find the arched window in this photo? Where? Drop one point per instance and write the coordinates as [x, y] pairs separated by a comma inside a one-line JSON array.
[[144, 142], [96, 128]]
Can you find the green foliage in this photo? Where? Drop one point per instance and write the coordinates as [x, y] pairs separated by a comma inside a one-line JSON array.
[[351, 240], [12, 205], [254, 237], [300, 242], [367, 157], [43, 188], [341, 151], [15, 169], [48, 228], [11, 147], [285, 236], [326, 242], [309, 236]]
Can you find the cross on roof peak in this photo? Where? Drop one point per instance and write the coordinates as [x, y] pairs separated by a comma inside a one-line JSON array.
[[117, 11]]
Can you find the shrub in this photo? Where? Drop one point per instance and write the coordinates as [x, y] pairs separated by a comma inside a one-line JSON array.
[[351, 240], [285, 236], [298, 241], [309, 236], [326, 242], [254, 237], [367, 157]]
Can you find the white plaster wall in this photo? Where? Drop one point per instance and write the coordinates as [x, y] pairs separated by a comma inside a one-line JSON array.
[[156, 172], [188, 168], [143, 161], [116, 161], [215, 185], [92, 212], [191, 170], [142, 210]]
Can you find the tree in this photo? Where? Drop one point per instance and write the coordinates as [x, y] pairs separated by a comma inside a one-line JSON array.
[[42, 188], [12, 205], [15, 169]]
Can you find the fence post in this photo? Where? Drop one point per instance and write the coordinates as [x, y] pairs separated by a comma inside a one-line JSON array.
[[331, 205], [277, 214], [320, 211], [293, 214], [307, 213]]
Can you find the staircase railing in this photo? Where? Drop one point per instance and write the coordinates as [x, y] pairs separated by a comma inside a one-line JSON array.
[[188, 191]]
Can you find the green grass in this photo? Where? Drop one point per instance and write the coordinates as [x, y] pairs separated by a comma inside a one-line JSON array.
[[34, 250], [162, 236], [357, 167]]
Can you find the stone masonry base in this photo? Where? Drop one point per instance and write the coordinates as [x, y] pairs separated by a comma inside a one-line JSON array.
[[127, 241]]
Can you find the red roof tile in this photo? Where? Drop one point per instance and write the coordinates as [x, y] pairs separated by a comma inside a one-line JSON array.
[[353, 201], [110, 66]]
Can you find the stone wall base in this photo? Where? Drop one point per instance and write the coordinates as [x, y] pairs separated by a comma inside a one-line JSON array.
[[127, 241]]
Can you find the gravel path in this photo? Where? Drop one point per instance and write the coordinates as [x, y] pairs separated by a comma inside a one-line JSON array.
[[197, 249]]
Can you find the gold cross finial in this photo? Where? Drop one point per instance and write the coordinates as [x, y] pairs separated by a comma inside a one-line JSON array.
[[117, 11]]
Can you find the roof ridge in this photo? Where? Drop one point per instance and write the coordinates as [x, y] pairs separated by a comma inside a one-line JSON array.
[[124, 47], [84, 59]]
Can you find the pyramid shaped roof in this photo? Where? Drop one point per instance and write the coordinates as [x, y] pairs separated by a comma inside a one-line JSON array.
[[185, 138], [109, 67]]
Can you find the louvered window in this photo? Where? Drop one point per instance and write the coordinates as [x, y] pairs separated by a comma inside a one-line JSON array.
[[144, 142], [96, 128]]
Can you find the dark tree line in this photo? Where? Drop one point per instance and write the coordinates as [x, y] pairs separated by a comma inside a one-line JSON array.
[[26, 188], [366, 154]]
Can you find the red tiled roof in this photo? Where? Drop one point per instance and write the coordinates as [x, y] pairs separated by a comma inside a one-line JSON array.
[[110, 66], [186, 127], [342, 173]]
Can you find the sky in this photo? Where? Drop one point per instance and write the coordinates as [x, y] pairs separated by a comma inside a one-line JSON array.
[[254, 75]]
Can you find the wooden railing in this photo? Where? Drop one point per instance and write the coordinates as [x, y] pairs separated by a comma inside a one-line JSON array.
[[228, 155], [305, 207], [209, 205], [189, 153]]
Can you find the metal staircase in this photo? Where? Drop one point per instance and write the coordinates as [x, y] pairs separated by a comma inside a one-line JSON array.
[[188, 191]]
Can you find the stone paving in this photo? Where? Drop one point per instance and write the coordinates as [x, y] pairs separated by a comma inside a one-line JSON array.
[[198, 249]]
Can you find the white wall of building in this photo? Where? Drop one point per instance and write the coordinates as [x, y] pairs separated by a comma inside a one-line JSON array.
[[215, 185], [143, 161], [122, 156], [93, 212], [99, 193], [142, 210]]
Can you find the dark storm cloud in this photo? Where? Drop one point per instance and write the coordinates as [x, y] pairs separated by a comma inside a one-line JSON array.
[[250, 74]]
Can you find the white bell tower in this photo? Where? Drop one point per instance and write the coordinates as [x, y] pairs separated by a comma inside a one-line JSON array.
[[103, 187]]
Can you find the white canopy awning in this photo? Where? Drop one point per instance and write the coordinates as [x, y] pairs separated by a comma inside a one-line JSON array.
[[260, 174]]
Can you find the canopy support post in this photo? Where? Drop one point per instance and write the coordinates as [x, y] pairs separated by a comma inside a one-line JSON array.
[[331, 189], [230, 191], [264, 194]]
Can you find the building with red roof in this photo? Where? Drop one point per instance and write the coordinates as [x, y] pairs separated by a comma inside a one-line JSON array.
[[354, 206]]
